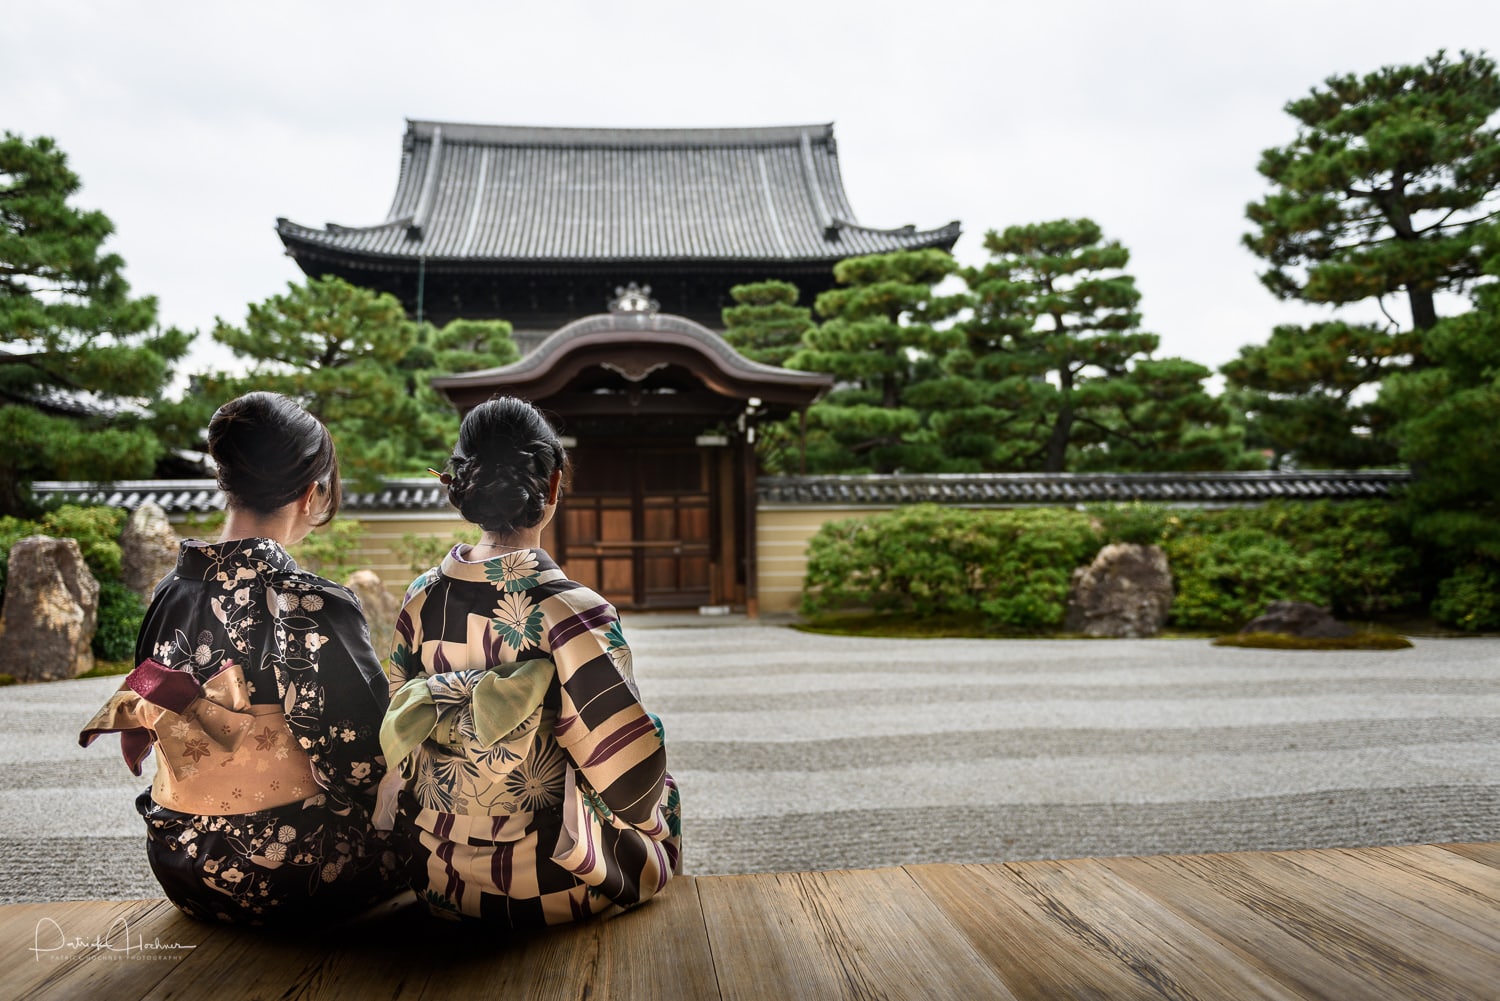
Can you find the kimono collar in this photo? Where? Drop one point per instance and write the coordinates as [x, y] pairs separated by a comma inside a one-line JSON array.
[[517, 571], [220, 560]]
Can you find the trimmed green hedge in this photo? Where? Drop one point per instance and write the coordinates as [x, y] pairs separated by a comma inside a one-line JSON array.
[[1228, 565], [1012, 567]]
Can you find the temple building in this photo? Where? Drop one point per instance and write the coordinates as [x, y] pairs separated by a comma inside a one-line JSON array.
[[612, 252], [540, 226]]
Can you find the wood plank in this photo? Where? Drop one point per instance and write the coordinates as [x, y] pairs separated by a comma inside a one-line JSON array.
[[124, 949], [418, 957], [1430, 937], [1070, 930], [253, 964], [1435, 894], [1454, 871], [838, 935], [658, 951], [35, 940], [1487, 852], [1306, 931]]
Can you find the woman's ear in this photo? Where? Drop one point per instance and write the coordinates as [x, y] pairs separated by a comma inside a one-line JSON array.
[[554, 486], [306, 502]]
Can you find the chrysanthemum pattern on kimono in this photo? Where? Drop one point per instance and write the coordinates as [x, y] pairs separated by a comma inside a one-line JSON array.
[[571, 811]]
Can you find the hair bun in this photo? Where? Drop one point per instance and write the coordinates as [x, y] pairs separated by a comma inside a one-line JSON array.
[[505, 459]]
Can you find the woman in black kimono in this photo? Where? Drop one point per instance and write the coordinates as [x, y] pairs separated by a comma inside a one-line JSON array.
[[258, 687]]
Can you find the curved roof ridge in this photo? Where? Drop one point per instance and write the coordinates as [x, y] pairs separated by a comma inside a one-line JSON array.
[[908, 230], [338, 228], [558, 342], [565, 135]]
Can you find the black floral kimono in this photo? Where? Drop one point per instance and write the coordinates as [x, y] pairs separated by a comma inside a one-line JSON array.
[[259, 690]]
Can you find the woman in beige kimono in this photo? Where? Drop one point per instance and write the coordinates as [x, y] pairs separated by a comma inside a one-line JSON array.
[[259, 690], [532, 783]]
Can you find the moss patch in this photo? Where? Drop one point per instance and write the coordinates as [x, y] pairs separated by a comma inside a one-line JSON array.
[[1281, 641]]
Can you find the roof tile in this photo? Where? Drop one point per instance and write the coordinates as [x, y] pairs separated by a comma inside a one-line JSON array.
[[506, 193]]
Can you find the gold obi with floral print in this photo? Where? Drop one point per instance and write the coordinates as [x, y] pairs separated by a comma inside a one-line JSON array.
[[217, 753]]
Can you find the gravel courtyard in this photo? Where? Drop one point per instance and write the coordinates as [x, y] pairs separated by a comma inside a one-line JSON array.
[[797, 751]]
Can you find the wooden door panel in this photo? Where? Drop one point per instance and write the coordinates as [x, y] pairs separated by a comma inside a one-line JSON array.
[[639, 527]]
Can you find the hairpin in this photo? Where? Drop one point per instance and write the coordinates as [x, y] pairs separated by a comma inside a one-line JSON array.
[[443, 477]]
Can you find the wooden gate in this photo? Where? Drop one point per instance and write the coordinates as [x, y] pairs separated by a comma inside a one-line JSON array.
[[636, 525]]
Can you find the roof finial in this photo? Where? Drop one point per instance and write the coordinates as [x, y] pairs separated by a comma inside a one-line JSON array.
[[633, 298]]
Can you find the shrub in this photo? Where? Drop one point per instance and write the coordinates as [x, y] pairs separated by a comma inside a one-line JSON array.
[[1141, 524], [1226, 575], [1228, 565], [1011, 567], [1470, 598], [96, 529], [120, 613]]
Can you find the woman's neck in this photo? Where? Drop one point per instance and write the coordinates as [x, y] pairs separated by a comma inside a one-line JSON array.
[[280, 527], [492, 544]]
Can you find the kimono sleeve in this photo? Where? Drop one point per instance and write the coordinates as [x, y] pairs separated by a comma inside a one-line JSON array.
[[346, 735], [601, 724], [404, 662]]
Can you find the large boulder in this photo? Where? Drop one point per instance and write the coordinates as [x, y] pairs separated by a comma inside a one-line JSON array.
[[1298, 618], [148, 549], [1125, 592], [381, 608], [51, 609]]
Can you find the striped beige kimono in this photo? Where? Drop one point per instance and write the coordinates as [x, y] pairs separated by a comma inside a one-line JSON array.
[[528, 779]]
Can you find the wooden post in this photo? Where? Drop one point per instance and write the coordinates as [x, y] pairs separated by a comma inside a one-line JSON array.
[[752, 543]]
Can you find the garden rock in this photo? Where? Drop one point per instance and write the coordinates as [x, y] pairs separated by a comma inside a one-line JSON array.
[[1298, 618], [1125, 592], [380, 607], [51, 609], [148, 549]]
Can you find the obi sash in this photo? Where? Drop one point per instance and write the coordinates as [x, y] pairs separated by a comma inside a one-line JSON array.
[[496, 700], [217, 753]]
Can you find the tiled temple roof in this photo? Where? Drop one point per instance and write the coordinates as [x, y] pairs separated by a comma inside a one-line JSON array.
[[495, 193], [999, 489]]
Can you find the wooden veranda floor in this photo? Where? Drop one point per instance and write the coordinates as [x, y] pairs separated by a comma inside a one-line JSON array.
[[1376, 923]]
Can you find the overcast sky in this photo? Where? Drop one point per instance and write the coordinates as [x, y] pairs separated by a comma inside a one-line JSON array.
[[195, 125]]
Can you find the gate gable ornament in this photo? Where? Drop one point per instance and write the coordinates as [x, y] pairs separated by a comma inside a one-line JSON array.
[[634, 298]]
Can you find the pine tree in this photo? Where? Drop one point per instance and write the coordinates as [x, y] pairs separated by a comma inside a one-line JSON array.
[[82, 362], [1380, 197], [1304, 393], [881, 340], [1053, 372], [766, 324], [1384, 188], [1165, 420], [353, 359], [1447, 413]]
